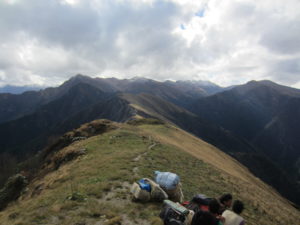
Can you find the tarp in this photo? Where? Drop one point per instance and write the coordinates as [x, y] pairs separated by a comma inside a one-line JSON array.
[[167, 180]]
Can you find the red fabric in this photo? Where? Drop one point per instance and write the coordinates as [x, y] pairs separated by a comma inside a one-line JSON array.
[[204, 208], [185, 203]]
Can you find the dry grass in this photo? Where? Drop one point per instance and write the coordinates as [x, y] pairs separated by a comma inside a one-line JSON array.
[[102, 177], [265, 204]]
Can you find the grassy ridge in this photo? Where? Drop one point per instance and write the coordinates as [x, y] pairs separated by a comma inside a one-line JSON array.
[[94, 188]]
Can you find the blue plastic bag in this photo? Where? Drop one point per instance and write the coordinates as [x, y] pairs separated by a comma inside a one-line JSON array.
[[167, 180], [144, 185]]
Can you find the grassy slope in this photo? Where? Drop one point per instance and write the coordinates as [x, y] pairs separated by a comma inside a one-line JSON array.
[[117, 158]]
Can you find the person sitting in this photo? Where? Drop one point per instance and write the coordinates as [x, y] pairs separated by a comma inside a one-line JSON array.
[[214, 208], [203, 218], [225, 202], [198, 202], [233, 217]]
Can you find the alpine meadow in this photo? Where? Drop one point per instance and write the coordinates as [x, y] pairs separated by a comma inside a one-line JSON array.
[[149, 112]]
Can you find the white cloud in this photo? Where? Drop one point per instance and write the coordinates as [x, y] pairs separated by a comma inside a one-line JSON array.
[[227, 42], [243, 40]]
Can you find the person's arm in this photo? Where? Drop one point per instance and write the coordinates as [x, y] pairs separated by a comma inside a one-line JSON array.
[[221, 218]]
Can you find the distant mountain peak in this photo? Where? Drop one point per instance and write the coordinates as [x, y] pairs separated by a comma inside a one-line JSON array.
[[203, 88], [257, 82], [139, 79], [267, 84], [80, 77], [198, 82], [76, 79]]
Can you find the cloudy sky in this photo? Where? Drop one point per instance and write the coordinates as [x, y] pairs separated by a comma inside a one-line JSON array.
[[228, 42]]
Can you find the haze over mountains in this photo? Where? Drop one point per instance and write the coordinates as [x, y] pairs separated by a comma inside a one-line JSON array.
[[258, 123], [19, 89]]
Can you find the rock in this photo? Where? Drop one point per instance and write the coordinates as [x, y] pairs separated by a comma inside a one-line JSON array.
[[78, 139], [37, 190]]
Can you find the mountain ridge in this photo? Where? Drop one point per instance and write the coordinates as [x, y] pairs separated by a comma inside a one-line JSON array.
[[250, 110], [114, 158], [232, 119], [14, 106]]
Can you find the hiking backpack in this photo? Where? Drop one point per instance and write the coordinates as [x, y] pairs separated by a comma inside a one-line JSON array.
[[171, 217], [199, 202], [173, 214]]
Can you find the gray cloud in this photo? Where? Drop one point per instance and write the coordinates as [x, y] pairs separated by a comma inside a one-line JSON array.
[[287, 70], [282, 36], [46, 42]]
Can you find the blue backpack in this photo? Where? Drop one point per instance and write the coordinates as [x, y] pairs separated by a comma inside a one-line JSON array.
[[144, 185]]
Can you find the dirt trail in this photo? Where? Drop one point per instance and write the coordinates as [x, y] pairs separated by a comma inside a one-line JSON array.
[[138, 158], [113, 196]]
